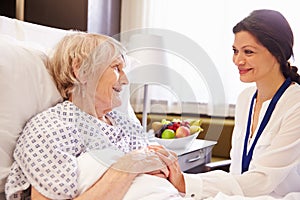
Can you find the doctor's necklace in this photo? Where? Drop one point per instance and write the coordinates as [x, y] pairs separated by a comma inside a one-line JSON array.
[[248, 156]]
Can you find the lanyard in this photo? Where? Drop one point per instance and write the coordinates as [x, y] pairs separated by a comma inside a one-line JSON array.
[[247, 157]]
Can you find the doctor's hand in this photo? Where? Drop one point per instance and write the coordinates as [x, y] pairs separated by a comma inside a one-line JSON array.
[[142, 161], [175, 173]]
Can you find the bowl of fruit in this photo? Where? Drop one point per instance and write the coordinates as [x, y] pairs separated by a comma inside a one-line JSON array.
[[176, 134]]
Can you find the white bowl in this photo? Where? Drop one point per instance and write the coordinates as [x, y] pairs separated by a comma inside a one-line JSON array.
[[177, 143]]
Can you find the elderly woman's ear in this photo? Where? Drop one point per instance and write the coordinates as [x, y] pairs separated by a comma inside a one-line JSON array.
[[76, 70], [75, 66]]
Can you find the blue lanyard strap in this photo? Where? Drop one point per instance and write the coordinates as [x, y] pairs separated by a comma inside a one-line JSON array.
[[247, 157]]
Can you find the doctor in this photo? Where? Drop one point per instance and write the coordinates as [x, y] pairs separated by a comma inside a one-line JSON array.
[[266, 138]]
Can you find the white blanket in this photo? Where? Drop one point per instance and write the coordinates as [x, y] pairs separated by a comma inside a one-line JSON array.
[[145, 187], [290, 196]]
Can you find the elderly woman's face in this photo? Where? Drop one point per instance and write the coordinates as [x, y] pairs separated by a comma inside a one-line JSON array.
[[109, 87]]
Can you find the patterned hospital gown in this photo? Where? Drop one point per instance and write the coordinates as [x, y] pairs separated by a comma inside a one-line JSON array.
[[46, 152]]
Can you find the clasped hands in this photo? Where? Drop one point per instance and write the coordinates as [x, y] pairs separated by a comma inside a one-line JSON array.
[[154, 160]]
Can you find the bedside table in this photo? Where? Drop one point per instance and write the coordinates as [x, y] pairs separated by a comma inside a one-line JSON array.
[[198, 153]]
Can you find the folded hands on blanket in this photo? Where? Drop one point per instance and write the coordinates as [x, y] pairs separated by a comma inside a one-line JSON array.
[[144, 162]]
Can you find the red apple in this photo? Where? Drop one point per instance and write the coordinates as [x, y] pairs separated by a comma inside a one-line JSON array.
[[182, 131]]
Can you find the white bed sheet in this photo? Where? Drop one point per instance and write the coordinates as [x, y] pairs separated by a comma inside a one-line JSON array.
[[290, 196], [145, 187]]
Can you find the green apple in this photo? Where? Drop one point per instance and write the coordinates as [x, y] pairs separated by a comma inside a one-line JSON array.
[[168, 134]]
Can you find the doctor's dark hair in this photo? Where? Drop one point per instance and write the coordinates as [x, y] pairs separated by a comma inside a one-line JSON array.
[[273, 31]]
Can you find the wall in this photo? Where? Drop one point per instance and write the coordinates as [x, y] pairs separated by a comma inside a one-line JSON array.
[[59, 14], [8, 8], [64, 14]]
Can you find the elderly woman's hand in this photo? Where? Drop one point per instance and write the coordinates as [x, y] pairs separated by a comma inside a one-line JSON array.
[[171, 161], [142, 161]]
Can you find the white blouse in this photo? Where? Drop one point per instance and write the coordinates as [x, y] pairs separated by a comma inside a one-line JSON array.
[[275, 166]]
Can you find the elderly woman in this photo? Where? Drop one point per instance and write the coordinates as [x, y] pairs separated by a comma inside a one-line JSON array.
[[54, 147]]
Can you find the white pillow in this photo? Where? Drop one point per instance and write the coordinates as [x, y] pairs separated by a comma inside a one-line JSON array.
[[26, 89], [46, 37]]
